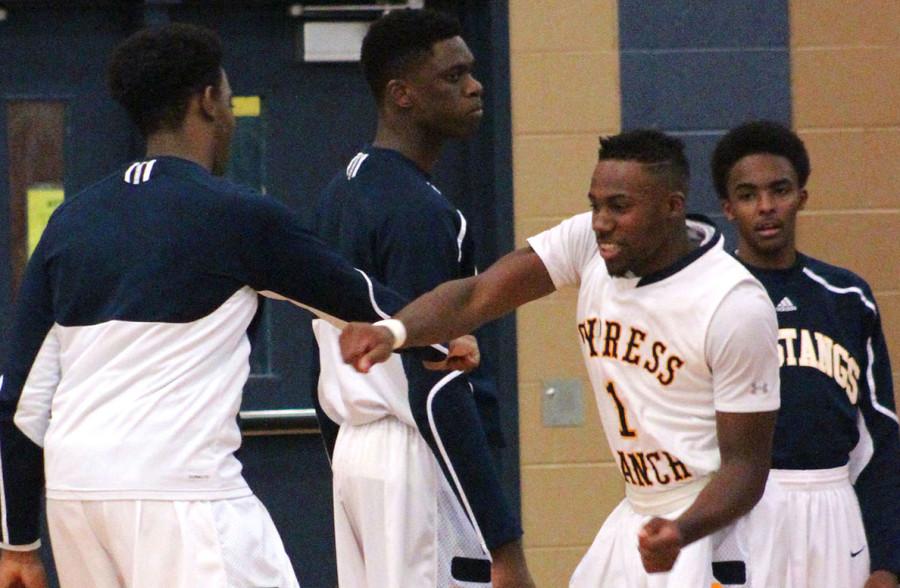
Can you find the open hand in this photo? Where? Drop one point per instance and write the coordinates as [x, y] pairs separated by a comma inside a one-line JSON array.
[[659, 543]]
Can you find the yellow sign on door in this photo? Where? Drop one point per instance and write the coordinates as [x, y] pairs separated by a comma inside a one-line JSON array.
[[42, 201]]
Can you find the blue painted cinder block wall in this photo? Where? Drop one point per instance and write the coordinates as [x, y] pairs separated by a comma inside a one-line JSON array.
[[697, 68]]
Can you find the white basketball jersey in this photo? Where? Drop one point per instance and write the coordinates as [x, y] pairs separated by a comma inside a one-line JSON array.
[[665, 352]]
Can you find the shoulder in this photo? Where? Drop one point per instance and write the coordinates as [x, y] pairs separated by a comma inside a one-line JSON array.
[[837, 281], [391, 178], [76, 210], [720, 267], [833, 274]]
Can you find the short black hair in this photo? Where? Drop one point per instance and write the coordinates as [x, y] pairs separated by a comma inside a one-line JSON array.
[[397, 40], [154, 72], [663, 154], [761, 136]]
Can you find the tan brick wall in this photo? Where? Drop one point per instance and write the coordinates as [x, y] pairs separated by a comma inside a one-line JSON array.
[[565, 93], [844, 62]]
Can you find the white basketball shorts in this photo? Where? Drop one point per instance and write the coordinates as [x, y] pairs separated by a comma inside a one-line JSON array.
[[177, 544], [827, 541], [397, 522], [721, 559]]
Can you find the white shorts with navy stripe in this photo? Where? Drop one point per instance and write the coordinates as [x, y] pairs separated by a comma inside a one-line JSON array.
[[397, 522], [721, 559]]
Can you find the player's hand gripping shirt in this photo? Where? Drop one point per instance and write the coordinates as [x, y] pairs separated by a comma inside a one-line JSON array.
[[665, 352], [837, 391], [129, 348]]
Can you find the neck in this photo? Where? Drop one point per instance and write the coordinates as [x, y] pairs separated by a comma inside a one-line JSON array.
[[179, 143], [783, 258], [414, 143], [671, 251]]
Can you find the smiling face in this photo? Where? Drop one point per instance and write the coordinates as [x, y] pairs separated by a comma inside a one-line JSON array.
[[763, 199], [444, 97], [635, 215]]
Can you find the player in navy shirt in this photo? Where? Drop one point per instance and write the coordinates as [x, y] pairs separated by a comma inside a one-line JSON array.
[[129, 348], [838, 424], [387, 217]]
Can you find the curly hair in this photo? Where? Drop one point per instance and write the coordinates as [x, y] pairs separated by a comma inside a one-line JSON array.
[[395, 41], [762, 136], [154, 72], [661, 153]]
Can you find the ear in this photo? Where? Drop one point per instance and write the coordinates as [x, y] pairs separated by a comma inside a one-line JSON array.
[[399, 92], [804, 195], [726, 208], [209, 102], [677, 201]]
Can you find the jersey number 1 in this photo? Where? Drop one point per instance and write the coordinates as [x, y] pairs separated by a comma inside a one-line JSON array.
[[624, 430]]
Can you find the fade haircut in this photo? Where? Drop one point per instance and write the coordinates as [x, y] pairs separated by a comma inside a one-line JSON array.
[[154, 73], [660, 154], [762, 136], [399, 39]]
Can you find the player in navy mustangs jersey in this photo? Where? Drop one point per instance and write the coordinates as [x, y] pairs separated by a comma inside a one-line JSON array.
[[417, 501], [837, 445], [679, 341], [129, 348]]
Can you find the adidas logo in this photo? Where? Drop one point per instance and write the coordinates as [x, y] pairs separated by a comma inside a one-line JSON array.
[[785, 305], [355, 163], [139, 172]]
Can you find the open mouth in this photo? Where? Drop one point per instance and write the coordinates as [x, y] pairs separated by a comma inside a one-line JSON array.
[[609, 250]]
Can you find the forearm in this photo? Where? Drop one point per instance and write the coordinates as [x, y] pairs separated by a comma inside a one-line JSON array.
[[745, 444], [461, 306], [444, 313], [732, 493]]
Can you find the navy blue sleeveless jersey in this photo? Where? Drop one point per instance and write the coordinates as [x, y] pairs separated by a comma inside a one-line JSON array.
[[837, 397], [384, 214], [131, 322]]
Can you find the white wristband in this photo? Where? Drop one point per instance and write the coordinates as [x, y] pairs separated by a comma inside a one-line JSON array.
[[397, 329]]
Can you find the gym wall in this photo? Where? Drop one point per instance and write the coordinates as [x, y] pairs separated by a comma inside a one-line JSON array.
[[583, 68]]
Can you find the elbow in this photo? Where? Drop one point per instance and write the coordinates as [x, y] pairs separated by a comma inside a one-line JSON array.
[[754, 488]]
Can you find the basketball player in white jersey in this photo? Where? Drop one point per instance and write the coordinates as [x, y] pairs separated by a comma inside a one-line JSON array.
[[680, 344]]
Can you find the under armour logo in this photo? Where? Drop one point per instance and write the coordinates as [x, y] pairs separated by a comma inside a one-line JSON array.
[[759, 388]]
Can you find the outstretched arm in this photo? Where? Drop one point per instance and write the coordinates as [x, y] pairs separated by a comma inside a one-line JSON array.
[[453, 309], [745, 444]]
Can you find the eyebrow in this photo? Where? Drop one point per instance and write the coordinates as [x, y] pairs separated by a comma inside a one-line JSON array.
[[778, 182]]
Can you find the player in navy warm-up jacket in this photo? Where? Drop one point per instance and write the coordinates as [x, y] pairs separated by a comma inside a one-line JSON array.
[[837, 425], [129, 350], [417, 500]]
